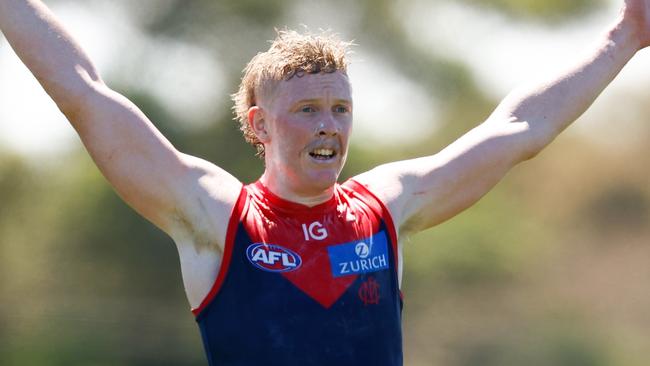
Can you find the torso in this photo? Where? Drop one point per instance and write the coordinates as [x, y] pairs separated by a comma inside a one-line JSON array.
[[298, 280]]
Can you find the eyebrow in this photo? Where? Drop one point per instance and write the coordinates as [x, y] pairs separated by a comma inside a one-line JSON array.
[[316, 101]]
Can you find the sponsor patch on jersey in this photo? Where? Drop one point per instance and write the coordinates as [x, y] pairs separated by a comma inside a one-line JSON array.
[[273, 258], [360, 256]]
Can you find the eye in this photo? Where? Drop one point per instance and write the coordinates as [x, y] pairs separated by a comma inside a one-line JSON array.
[[307, 109], [341, 109]]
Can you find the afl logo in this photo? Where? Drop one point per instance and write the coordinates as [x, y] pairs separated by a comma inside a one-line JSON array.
[[273, 258]]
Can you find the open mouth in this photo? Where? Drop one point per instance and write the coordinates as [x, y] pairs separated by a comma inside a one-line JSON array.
[[322, 154]]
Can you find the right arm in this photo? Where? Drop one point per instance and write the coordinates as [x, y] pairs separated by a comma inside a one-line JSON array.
[[426, 191], [182, 195]]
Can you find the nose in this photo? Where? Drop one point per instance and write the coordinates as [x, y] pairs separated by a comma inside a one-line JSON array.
[[328, 126]]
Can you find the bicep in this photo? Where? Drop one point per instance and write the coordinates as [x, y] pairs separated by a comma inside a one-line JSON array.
[[139, 162]]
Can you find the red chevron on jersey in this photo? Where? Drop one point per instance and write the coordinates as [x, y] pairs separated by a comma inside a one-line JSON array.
[[295, 232]]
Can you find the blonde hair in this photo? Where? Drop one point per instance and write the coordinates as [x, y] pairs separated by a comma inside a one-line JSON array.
[[291, 54]]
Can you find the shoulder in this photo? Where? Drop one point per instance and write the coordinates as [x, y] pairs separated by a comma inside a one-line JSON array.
[[384, 183], [374, 198]]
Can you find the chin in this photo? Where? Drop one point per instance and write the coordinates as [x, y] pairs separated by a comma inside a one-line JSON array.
[[323, 180]]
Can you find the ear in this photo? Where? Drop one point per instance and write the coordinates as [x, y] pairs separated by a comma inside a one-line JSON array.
[[257, 122]]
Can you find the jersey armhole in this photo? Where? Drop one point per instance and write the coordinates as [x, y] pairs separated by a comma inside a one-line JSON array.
[[231, 232], [385, 214]]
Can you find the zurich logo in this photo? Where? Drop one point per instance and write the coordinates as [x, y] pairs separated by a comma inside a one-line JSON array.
[[368, 255], [273, 258], [362, 250]]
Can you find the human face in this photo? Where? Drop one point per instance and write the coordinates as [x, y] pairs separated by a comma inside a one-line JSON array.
[[307, 122]]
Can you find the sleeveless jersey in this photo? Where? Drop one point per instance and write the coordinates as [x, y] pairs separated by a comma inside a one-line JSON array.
[[305, 285]]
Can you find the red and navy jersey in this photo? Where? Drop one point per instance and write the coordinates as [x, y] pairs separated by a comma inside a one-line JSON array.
[[305, 285]]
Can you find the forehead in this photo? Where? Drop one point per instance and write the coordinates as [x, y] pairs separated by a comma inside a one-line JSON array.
[[333, 85]]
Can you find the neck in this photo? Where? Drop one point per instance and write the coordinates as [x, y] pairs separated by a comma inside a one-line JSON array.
[[308, 196]]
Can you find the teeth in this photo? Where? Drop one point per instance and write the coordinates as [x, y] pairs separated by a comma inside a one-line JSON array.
[[324, 152]]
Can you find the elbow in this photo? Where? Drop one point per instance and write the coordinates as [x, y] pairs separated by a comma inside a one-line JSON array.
[[69, 89], [535, 139], [71, 98], [526, 138], [530, 153]]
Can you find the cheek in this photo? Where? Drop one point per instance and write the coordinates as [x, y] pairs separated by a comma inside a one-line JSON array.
[[348, 128], [293, 136], [347, 131], [298, 131]]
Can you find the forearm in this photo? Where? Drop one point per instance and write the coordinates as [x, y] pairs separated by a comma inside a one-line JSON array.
[[47, 49], [549, 106]]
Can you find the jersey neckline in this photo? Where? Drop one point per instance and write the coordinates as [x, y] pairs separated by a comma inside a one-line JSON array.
[[284, 204]]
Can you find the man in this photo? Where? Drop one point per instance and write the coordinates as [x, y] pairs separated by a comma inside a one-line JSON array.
[[295, 268]]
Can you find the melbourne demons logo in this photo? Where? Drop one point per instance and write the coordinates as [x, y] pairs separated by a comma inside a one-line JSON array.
[[273, 258], [369, 292]]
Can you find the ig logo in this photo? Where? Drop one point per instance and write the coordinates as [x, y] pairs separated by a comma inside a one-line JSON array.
[[315, 231], [362, 250]]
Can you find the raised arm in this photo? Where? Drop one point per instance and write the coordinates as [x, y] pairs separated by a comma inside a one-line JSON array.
[[163, 185], [423, 192]]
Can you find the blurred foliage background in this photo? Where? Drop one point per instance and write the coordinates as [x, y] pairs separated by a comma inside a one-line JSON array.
[[551, 268]]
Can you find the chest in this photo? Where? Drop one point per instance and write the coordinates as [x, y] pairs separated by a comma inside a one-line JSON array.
[[322, 254]]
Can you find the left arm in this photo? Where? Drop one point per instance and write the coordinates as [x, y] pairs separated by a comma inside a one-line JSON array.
[[423, 192]]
